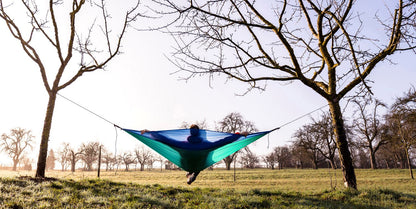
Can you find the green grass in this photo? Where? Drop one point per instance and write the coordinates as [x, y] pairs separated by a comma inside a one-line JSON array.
[[257, 188]]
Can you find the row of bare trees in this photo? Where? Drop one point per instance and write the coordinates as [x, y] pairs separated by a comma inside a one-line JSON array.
[[87, 155], [376, 140], [19, 140]]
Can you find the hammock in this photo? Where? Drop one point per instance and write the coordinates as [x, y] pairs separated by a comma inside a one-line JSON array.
[[194, 154]]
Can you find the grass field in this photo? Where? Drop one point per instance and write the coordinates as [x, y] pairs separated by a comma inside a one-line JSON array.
[[258, 188]]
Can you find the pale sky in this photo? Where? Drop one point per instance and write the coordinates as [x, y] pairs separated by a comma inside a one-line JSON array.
[[138, 91]]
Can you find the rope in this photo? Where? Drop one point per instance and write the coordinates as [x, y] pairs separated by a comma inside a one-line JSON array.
[[101, 117], [298, 118], [116, 126]]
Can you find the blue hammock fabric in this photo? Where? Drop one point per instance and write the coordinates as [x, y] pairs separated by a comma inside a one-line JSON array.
[[194, 153]]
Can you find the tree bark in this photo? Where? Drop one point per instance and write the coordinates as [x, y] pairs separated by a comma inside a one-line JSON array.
[[73, 161], [342, 145], [15, 162], [43, 151], [314, 164], [373, 159], [228, 160]]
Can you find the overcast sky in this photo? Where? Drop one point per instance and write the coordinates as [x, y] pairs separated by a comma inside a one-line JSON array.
[[137, 90]]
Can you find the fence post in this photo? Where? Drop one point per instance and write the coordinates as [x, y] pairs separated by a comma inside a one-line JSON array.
[[99, 162]]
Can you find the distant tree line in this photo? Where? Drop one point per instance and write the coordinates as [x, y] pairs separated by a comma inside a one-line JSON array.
[[87, 154]]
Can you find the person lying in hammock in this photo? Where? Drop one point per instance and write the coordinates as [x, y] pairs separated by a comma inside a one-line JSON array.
[[195, 141], [194, 138]]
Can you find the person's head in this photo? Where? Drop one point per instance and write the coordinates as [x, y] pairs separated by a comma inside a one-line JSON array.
[[194, 129]]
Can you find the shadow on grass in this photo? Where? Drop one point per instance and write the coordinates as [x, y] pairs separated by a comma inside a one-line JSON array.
[[380, 198], [96, 193]]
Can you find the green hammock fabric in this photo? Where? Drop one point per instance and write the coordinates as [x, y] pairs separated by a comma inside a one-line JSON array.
[[215, 146]]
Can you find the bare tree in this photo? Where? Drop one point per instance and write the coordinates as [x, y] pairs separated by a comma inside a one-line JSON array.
[[392, 155], [127, 159], [283, 156], [402, 120], [321, 44], [367, 125], [64, 156], [270, 160], [50, 160], [316, 141], [72, 155], [108, 159], [151, 161], [27, 163], [249, 159], [143, 156], [360, 158], [322, 131], [308, 144], [299, 155], [86, 49], [201, 124], [89, 154], [169, 165], [15, 144], [233, 123], [160, 159]]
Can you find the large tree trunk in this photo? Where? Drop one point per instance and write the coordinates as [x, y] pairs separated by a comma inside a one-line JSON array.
[[15, 162], [73, 161], [228, 160], [89, 166], [373, 159], [43, 151], [314, 163], [342, 145]]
